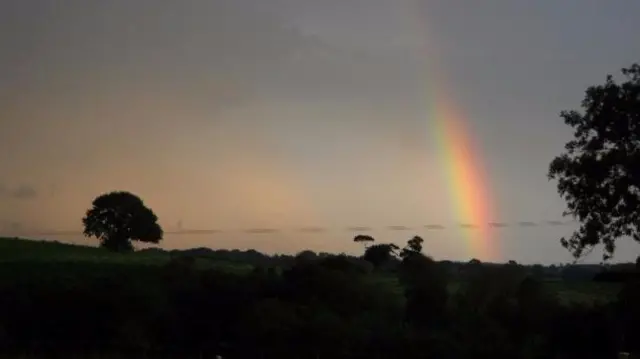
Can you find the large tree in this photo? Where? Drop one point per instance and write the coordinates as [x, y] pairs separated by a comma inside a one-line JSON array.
[[117, 218], [599, 173]]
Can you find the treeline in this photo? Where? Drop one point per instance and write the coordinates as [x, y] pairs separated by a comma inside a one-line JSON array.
[[308, 306], [616, 272]]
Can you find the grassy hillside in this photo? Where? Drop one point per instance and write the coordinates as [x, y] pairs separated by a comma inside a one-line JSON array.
[[21, 251], [18, 250]]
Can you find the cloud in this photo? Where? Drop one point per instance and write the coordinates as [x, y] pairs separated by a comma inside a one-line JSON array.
[[398, 228], [194, 55], [261, 230], [498, 224], [468, 226], [434, 226], [21, 192], [312, 229], [24, 192]]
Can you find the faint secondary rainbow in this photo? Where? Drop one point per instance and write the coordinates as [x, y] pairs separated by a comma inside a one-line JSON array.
[[471, 199]]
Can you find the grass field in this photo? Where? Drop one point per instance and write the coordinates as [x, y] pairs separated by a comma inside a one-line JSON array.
[[584, 292], [17, 252]]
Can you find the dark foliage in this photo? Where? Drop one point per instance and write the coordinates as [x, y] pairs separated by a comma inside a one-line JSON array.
[[599, 174], [363, 238], [318, 306], [117, 218], [414, 245], [616, 277], [380, 254]]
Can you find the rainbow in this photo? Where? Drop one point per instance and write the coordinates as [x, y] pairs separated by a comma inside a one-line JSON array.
[[471, 199]]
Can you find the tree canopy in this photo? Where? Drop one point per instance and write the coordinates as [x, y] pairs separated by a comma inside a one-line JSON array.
[[379, 254], [363, 238], [117, 218], [414, 246], [598, 175]]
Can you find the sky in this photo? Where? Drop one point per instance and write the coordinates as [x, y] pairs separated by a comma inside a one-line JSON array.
[[236, 114]]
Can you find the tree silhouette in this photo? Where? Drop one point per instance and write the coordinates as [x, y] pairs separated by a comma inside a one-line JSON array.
[[379, 254], [414, 245], [117, 218], [363, 238], [474, 262], [306, 255], [599, 174]]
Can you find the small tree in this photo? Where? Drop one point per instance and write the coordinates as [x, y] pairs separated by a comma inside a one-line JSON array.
[[414, 246], [598, 175], [117, 218], [364, 239]]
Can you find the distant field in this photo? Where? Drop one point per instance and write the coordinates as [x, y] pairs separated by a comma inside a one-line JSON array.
[[19, 251], [584, 292], [13, 250], [581, 292]]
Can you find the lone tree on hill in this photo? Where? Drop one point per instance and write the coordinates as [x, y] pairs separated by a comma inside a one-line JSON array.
[[599, 174], [117, 218]]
